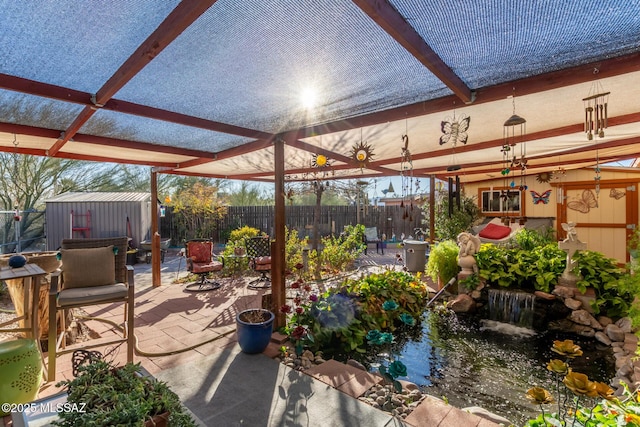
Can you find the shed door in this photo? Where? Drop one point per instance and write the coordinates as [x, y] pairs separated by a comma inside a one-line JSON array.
[[603, 219]]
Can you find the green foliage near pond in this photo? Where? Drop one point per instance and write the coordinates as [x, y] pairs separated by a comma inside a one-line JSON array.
[[342, 316], [534, 263], [534, 269]]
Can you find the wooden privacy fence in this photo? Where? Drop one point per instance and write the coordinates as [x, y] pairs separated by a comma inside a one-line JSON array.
[[390, 220]]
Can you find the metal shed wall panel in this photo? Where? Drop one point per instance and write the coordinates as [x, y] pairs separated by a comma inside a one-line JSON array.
[[109, 212]]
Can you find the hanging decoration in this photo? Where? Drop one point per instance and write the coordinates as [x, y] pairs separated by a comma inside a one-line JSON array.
[[540, 198], [406, 173], [513, 133], [362, 153], [595, 110], [454, 131], [544, 177], [319, 161]]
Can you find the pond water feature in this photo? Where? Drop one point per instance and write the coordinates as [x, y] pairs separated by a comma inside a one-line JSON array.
[[488, 364]]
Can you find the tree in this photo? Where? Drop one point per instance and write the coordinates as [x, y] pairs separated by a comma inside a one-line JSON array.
[[198, 208], [462, 219], [250, 195]]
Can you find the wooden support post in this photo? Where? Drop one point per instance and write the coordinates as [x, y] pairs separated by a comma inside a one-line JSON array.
[[155, 235], [278, 262]]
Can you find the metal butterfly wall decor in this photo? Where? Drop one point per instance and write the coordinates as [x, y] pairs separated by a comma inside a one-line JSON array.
[[614, 193], [540, 198], [454, 131], [584, 203]]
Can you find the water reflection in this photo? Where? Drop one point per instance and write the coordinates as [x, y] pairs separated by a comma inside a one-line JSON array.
[[491, 365]]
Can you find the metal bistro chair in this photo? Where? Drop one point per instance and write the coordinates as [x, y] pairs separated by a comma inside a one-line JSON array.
[[93, 272], [259, 254], [199, 255]]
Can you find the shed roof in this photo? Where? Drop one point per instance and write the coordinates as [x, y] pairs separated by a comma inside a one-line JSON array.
[[99, 197], [205, 87]]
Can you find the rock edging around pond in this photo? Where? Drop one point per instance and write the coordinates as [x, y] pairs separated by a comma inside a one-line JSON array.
[[578, 319], [379, 395]]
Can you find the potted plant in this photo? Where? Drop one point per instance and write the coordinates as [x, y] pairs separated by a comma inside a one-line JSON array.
[[109, 395], [254, 327], [443, 262]]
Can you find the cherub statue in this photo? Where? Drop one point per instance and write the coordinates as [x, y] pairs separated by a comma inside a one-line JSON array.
[[469, 246]]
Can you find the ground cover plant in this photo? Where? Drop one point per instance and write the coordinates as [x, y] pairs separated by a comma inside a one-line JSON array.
[[341, 317]]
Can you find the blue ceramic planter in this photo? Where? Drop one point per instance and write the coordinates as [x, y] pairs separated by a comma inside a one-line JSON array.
[[254, 337]]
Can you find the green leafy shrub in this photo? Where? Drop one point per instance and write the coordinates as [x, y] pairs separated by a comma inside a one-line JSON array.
[[615, 288], [447, 227], [443, 261], [339, 253], [237, 239], [530, 239], [536, 268]]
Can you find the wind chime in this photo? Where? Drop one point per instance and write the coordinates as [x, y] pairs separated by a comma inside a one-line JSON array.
[[595, 111], [454, 131], [513, 132], [595, 119], [406, 172]]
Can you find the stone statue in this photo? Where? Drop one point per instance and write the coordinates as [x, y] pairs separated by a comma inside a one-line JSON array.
[[570, 245], [469, 246]]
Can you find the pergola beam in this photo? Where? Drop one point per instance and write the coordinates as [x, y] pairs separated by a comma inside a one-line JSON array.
[[388, 18]]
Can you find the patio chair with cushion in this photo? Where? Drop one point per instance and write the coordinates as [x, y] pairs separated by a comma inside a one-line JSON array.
[[92, 272], [199, 255], [259, 254], [371, 236]]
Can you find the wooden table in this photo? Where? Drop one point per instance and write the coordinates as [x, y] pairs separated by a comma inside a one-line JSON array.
[[31, 275]]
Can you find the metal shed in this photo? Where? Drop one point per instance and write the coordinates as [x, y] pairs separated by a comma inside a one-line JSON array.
[[98, 214]]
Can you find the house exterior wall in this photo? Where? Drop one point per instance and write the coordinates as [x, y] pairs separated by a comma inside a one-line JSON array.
[[604, 228], [108, 212]]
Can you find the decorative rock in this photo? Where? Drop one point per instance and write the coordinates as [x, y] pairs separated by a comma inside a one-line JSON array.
[[585, 331], [624, 324], [564, 291], [604, 320], [603, 338], [631, 338], [614, 332], [630, 347], [476, 294], [622, 361], [582, 317], [545, 296], [573, 304], [463, 304], [625, 370]]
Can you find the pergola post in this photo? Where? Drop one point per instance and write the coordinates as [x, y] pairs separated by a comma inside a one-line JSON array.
[[155, 234], [278, 262]]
